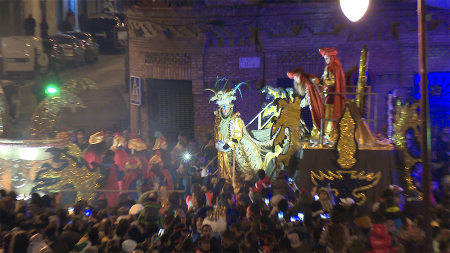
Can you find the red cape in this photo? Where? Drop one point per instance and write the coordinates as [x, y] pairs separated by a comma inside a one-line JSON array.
[[315, 100], [90, 156], [112, 197], [120, 158], [339, 100]]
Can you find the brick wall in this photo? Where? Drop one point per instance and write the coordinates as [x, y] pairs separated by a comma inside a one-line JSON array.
[[283, 36]]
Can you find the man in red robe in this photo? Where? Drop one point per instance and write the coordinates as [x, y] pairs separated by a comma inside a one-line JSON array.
[[311, 93], [96, 149], [333, 79], [120, 156]]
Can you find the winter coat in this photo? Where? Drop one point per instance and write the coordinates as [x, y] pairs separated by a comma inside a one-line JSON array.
[[325, 240], [280, 187], [380, 240], [261, 185]]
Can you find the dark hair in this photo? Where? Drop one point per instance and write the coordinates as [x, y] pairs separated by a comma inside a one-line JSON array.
[[174, 198], [237, 226], [246, 199], [19, 242], [93, 235], [228, 188], [122, 227], [194, 221], [195, 188], [204, 226], [2, 193], [81, 130], [283, 205], [50, 231], [282, 174], [108, 157], [251, 241], [201, 198], [387, 193], [227, 234], [261, 174]]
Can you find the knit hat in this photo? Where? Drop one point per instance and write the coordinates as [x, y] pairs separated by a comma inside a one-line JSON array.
[[150, 214], [129, 245], [295, 240], [305, 198]]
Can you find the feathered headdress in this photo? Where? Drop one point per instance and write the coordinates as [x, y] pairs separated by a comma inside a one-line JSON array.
[[223, 97]]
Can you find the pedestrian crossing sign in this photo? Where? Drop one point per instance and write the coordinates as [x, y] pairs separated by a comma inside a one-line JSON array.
[[135, 90]]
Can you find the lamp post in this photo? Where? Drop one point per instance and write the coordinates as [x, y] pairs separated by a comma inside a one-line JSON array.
[[425, 135]]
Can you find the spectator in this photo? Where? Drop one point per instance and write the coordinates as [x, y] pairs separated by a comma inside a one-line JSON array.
[[281, 187], [335, 237], [263, 184], [30, 24]]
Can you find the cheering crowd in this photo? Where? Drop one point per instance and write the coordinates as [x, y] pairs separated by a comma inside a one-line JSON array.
[[172, 201]]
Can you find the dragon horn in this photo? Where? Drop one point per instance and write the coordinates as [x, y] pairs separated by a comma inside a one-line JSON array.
[[237, 88]]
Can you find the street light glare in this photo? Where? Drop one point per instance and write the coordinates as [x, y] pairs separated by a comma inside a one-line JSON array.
[[52, 90], [354, 9]]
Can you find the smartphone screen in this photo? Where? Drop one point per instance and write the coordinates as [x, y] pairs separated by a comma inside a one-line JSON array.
[[316, 197], [291, 181], [88, 212], [70, 210], [301, 216], [161, 232], [280, 215], [324, 216], [266, 201]]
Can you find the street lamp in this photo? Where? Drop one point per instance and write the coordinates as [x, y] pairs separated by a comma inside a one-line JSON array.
[[354, 9]]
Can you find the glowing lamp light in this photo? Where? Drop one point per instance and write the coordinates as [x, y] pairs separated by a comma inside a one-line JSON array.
[[354, 9], [51, 90], [28, 153], [187, 157]]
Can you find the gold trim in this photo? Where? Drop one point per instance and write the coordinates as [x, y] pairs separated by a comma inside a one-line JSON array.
[[357, 192], [346, 145], [406, 117]]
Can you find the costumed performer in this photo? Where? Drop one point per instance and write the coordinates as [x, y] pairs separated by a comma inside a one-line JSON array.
[[310, 94], [333, 79], [136, 164], [231, 135], [96, 149], [120, 156], [156, 165], [113, 178]]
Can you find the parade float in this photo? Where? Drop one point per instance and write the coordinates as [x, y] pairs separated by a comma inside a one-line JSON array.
[[352, 161], [348, 158]]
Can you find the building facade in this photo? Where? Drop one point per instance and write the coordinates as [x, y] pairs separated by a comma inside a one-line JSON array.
[[178, 52]]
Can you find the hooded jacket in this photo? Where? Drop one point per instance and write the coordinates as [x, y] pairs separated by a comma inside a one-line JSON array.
[[280, 187]]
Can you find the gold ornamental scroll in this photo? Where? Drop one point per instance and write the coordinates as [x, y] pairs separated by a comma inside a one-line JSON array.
[[362, 80]]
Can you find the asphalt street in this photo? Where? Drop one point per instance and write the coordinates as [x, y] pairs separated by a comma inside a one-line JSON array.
[[105, 107]]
